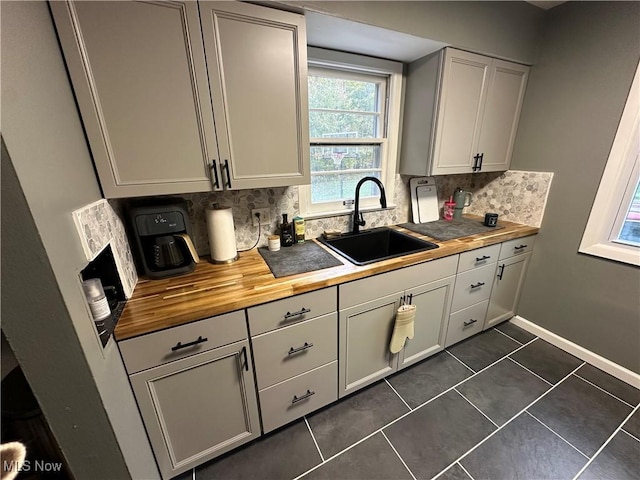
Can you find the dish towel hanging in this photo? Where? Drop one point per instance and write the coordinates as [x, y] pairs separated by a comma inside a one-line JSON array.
[[403, 327]]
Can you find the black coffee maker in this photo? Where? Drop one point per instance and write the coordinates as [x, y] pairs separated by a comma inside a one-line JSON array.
[[162, 236]]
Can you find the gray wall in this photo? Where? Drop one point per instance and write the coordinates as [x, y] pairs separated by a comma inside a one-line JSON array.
[[575, 97], [505, 29], [83, 389]]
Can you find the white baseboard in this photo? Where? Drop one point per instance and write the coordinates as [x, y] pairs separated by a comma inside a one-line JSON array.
[[582, 353]]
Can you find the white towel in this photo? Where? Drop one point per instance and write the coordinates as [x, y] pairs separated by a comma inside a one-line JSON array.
[[403, 327]]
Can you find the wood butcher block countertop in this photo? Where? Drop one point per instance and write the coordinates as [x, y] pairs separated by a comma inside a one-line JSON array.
[[215, 289]]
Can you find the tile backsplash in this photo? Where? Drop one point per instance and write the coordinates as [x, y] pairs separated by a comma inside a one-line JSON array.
[[515, 195]]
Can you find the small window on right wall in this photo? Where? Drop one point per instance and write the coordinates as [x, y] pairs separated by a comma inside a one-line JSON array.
[[613, 229]]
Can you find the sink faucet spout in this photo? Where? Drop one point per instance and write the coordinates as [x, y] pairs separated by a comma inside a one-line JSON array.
[[358, 220]]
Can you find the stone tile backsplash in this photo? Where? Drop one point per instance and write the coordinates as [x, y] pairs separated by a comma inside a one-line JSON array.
[[515, 195]]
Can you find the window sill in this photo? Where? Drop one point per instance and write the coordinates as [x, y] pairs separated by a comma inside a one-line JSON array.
[[340, 213]]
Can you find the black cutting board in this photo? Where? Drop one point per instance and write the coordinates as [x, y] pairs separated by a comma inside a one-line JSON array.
[[299, 258], [444, 230]]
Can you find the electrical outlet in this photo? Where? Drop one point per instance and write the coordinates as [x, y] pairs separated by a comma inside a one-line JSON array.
[[265, 218]]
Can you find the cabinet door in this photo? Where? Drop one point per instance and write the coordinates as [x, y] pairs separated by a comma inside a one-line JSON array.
[[433, 302], [199, 407], [257, 62], [460, 110], [501, 114], [365, 333], [139, 74], [507, 287]]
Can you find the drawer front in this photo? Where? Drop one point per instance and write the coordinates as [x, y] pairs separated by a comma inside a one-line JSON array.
[[286, 401], [517, 246], [290, 351], [288, 311], [478, 258], [466, 322], [473, 286], [178, 342], [372, 288]]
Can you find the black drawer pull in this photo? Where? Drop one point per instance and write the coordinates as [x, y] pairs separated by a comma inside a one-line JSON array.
[[300, 349], [470, 322], [484, 257], [297, 399], [289, 315], [501, 271], [479, 284], [190, 344], [246, 360], [520, 247]]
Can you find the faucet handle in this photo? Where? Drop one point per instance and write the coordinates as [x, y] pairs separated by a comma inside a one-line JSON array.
[[360, 220]]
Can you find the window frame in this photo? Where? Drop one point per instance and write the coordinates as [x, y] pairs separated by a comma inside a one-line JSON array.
[[616, 188], [360, 66]]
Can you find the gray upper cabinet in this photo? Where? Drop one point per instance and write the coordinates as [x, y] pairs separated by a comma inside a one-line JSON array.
[[161, 118], [257, 63], [461, 113]]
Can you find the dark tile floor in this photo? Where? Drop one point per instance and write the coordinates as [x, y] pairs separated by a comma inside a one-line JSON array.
[[501, 405]]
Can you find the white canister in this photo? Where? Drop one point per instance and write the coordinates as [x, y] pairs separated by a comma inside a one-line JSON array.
[[273, 243], [222, 236]]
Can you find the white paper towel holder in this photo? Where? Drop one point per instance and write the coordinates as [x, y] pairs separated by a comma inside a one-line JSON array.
[[222, 240]]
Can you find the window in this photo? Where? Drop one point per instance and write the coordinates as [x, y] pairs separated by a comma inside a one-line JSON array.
[[613, 229], [354, 117]]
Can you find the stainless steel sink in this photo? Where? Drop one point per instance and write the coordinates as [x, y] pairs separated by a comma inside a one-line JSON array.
[[377, 244]]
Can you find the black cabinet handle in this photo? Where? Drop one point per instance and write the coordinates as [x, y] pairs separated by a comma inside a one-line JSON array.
[[226, 167], [300, 349], [501, 267], [289, 315], [477, 162], [470, 322], [179, 345], [214, 169], [520, 247], [246, 361], [479, 284], [481, 159], [484, 257], [297, 399]]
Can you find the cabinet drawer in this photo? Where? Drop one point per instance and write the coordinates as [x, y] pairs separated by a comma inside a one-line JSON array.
[[478, 258], [298, 396], [473, 286], [290, 351], [160, 347], [517, 246], [466, 322], [287, 311]]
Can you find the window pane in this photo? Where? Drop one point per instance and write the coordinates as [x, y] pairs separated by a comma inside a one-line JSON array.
[[338, 186], [630, 231], [342, 125], [343, 94], [344, 157]]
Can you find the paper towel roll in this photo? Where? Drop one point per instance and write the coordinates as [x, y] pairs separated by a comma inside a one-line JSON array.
[[222, 237]]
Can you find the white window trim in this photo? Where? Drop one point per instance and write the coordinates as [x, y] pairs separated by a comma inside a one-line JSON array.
[[318, 57], [620, 176]]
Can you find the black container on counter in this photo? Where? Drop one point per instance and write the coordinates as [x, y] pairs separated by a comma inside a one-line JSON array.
[[286, 232]]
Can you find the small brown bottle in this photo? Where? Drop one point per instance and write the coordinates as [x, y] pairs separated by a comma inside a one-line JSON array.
[[286, 232]]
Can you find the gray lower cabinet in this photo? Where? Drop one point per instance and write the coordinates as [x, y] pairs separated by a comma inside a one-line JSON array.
[[507, 287], [199, 407], [367, 316]]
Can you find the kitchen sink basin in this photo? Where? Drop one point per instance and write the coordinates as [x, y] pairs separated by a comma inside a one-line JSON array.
[[377, 244]]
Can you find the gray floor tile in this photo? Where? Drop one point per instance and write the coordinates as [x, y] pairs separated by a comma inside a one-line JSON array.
[[284, 454], [372, 459], [633, 424], [429, 378], [353, 418], [515, 332], [435, 435], [503, 390], [611, 384], [619, 460], [582, 414], [483, 349], [456, 472], [524, 449], [546, 360]]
